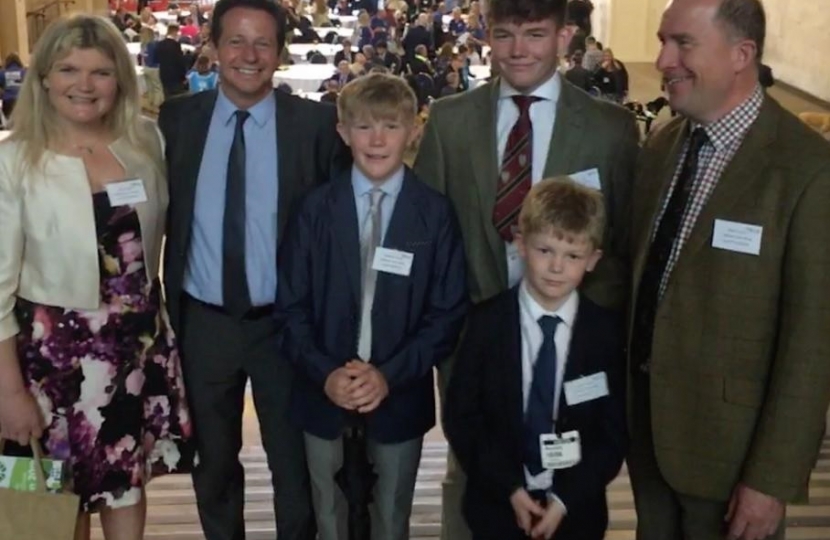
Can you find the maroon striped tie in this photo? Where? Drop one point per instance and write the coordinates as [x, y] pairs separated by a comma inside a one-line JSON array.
[[514, 180]]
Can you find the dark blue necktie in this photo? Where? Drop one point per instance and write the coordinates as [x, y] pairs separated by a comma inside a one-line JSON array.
[[236, 297], [539, 413]]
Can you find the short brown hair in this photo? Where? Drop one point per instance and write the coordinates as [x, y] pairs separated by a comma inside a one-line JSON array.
[[377, 96], [561, 206], [520, 11], [745, 19]]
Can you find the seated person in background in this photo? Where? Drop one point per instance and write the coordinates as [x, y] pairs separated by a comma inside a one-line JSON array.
[[454, 68], [344, 74], [526, 356], [464, 71], [370, 362], [611, 78], [457, 25], [320, 16], [190, 30], [369, 52], [385, 58], [451, 85], [202, 78], [420, 63], [345, 53], [578, 75], [379, 27], [358, 68], [332, 87]]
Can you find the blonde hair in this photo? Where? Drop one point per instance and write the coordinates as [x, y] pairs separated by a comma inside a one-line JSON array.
[[34, 120], [377, 96], [564, 208]]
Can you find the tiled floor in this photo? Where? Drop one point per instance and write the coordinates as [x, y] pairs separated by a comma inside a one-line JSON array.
[[172, 509]]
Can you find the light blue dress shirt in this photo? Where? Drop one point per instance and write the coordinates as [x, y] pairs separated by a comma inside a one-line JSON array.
[[203, 277], [362, 186]]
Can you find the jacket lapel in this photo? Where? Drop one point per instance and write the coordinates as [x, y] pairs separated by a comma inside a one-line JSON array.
[[740, 175], [344, 228], [512, 355], [288, 180], [567, 133], [406, 222], [577, 351], [187, 170], [484, 162]]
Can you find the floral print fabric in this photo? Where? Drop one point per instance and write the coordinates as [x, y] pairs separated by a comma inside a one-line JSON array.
[[109, 381]]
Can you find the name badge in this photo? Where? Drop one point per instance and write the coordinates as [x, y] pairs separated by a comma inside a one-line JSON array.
[[393, 261], [738, 237], [560, 451], [586, 388], [588, 178], [127, 192]]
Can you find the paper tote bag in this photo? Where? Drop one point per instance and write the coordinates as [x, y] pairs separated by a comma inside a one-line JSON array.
[[37, 515]]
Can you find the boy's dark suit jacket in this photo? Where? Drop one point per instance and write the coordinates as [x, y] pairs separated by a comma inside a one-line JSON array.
[[483, 418], [416, 320]]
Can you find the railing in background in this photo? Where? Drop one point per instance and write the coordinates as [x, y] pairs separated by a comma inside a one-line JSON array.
[[39, 18]]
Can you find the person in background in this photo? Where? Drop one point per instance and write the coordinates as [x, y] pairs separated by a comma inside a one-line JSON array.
[[362, 34], [450, 84], [457, 26], [202, 77], [11, 80], [592, 58], [172, 63], [332, 88], [88, 362], [344, 74], [190, 30], [345, 53], [611, 78], [358, 67], [320, 15], [578, 75]]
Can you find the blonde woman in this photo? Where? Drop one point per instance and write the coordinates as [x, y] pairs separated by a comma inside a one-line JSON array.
[[320, 15], [88, 363]]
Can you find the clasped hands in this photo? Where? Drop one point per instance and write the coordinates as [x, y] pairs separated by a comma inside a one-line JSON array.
[[537, 522], [357, 386]]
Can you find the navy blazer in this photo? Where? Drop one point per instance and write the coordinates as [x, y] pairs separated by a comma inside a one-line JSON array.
[[416, 319], [484, 417]]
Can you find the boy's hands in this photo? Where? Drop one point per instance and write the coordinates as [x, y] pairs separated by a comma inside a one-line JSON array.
[[357, 386], [527, 510], [550, 522], [368, 387]]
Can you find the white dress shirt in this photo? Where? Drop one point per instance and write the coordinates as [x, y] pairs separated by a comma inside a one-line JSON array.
[[542, 117], [530, 312]]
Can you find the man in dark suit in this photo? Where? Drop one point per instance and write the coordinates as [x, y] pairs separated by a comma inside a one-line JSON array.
[[523, 355], [239, 159], [730, 378], [345, 53], [570, 133], [578, 75], [383, 57], [172, 64], [417, 34]]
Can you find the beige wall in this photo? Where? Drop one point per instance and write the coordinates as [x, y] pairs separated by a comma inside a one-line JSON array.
[[13, 34], [798, 36]]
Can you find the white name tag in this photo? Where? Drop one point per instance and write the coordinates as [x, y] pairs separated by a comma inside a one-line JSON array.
[[586, 388], [560, 451], [393, 261], [127, 192], [738, 237], [588, 178]]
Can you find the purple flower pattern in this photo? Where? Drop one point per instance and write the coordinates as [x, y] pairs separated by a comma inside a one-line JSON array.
[[109, 380]]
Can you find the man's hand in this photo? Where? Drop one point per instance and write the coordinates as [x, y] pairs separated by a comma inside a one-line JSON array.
[[337, 388], [545, 529], [20, 417], [368, 387], [526, 510], [753, 515]]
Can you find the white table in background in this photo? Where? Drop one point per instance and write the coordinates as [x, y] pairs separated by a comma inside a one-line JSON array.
[[304, 77], [299, 51], [346, 21]]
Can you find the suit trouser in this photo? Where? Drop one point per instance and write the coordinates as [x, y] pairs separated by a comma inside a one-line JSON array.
[[397, 468], [219, 355], [662, 512]]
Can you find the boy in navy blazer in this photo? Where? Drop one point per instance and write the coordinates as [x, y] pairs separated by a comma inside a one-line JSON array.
[[372, 295], [535, 408]]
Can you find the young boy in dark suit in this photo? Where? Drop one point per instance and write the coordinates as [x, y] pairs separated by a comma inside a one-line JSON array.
[[535, 407], [372, 295]]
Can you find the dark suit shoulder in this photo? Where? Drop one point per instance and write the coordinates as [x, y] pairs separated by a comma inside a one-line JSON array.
[[796, 145], [183, 106], [496, 307], [605, 320]]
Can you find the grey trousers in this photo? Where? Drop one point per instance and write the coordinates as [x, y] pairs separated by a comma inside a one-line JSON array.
[[662, 512], [397, 468]]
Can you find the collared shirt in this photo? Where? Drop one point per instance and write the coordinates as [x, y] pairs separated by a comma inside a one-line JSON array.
[[725, 137], [362, 187], [529, 314], [542, 117], [203, 277]]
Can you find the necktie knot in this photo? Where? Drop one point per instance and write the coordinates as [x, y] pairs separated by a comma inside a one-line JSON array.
[[548, 323], [241, 117], [697, 139], [524, 103], [375, 197]]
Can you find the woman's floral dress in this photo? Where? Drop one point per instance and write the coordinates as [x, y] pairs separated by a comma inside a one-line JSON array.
[[109, 380]]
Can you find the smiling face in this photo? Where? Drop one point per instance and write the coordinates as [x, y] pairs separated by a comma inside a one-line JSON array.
[[525, 53], [555, 265], [248, 55], [82, 87], [700, 61], [378, 145]]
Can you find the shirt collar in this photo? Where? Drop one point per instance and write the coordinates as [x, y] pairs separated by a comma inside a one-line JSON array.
[[362, 185], [549, 90], [736, 123], [566, 312], [261, 112]]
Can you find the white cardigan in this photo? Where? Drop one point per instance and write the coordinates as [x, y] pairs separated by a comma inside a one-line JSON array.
[[48, 241]]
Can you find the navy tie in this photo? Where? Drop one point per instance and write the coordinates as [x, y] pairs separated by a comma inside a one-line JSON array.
[[539, 414], [235, 294]]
